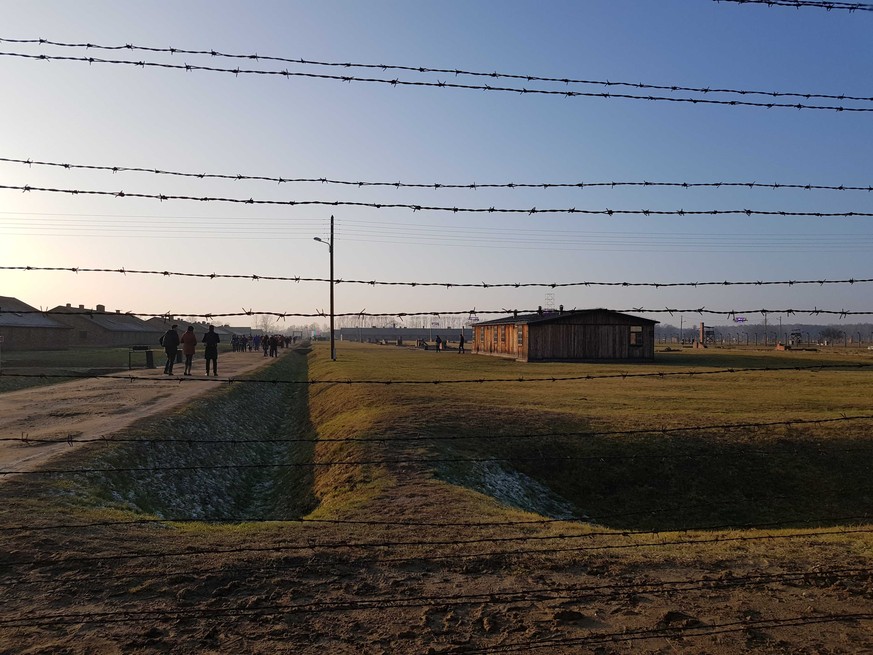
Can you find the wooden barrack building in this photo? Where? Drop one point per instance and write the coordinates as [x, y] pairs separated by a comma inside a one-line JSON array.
[[578, 335]]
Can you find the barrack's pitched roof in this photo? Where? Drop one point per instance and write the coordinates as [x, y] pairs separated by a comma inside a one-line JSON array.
[[552, 315], [15, 313]]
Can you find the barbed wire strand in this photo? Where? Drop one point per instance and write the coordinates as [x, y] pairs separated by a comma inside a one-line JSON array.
[[236, 72], [591, 519], [519, 379], [829, 5], [561, 592], [659, 431], [517, 314], [446, 71], [446, 285], [311, 547], [690, 455], [624, 534], [259, 566], [440, 185], [454, 210], [684, 632]]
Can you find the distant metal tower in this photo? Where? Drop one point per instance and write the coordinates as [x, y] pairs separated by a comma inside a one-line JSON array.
[[549, 304]]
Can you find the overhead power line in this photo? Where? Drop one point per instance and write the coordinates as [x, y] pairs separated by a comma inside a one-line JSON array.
[[446, 71], [798, 4], [439, 84], [447, 285], [26, 188], [439, 185]]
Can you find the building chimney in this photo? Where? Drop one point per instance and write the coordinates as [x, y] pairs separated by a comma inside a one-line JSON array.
[[81, 306], [560, 309], [69, 305], [101, 308], [117, 311]]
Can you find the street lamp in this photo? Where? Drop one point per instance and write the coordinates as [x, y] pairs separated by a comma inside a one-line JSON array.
[[329, 245]]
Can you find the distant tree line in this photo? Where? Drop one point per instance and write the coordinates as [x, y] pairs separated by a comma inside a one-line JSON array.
[[775, 331]]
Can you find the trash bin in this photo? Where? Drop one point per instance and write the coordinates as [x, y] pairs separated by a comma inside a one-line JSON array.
[[178, 356], [150, 358]]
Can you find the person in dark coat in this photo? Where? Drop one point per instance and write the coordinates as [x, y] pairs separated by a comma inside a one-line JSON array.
[[170, 342], [461, 341], [210, 352]]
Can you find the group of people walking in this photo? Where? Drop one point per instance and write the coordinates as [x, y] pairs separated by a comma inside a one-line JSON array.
[[172, 340]]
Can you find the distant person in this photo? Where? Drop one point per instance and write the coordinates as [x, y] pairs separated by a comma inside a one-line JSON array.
[[189, 345], [211, 339], [461, 343], [170, 342], [265, 344], [274, 346], [439, 342]]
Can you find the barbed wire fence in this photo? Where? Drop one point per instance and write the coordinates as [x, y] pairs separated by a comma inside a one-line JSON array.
[[565, 542]]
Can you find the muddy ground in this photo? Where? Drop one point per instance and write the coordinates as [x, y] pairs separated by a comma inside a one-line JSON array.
[[422, 567]]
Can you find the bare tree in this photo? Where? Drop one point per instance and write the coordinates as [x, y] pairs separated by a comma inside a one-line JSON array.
[[265, 324]]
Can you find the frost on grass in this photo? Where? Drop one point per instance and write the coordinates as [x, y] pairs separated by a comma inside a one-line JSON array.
[[235, 472], [511, 488]]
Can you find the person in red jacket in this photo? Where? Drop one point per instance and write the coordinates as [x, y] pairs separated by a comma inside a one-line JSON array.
[[189, 345]]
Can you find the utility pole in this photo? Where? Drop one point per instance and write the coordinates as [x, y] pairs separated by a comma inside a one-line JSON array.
[[332, 344], [330, 246]]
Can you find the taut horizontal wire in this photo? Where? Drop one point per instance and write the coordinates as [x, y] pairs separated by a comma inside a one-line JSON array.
[[285, 547], [600, 518], [666, 633], [447, 285], [440, 185], [797, 4], [562, 592], [438, 84], [728, 313], [787, 423], [416, 460], [448, 71], [436, 208], [520, 379]]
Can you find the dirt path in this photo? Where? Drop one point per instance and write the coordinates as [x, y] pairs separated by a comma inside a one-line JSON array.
[[98, 407]]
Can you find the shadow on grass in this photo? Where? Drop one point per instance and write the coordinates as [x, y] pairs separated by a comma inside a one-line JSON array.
[[764, 359], [701, 481]]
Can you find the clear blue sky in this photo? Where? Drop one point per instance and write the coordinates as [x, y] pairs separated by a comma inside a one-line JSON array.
[[265, 125]]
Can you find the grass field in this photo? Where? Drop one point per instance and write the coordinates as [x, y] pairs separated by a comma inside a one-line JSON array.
[[464, 516]]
